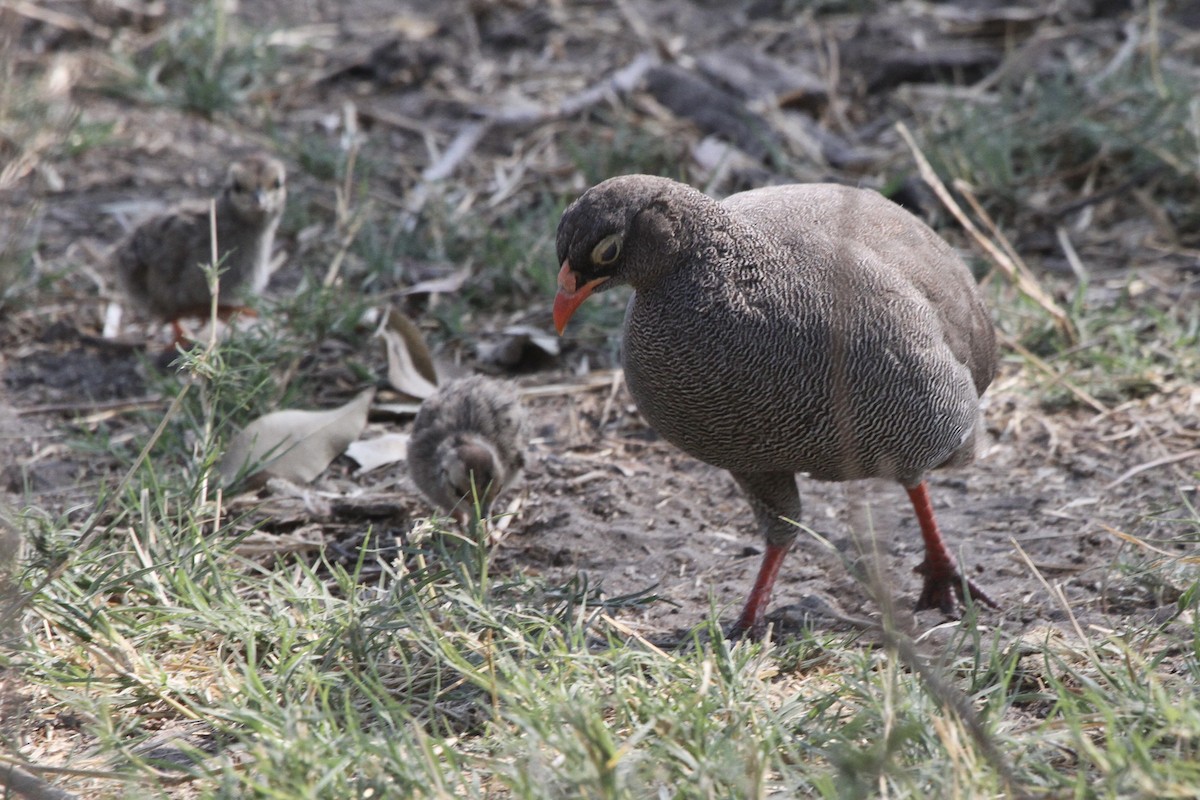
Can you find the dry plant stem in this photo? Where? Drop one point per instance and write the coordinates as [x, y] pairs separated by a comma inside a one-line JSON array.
[[1058, 377], [968, 194], [953, 699], [600, 379], [637, 23], [335, 265], [93, 529], [1073, 259], [622, 628], [126, 672], [460, 148], [157, 776], [900, 640], [57, 19], [1021, 278], [214, 282], [612, 398], [827, 46]]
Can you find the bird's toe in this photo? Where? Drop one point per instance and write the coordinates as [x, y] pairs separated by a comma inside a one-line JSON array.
[[946, 590]]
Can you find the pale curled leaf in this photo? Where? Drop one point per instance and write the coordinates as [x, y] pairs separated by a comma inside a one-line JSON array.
[[410, 366], [296, 445], [547, 342], [442, 285], [380, 451]]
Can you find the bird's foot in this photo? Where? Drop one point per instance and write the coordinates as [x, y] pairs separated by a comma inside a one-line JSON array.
[[946, 589], [750, 631], [751, 623]]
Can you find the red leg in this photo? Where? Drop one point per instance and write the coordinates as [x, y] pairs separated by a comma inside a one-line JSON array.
[[943, 582], [181, 336], [750, 621]]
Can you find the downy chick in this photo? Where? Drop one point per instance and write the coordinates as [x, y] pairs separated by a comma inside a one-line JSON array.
[[161, 264], [468, 443]]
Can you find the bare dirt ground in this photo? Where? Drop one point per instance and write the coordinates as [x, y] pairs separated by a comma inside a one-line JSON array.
[[603, 495]]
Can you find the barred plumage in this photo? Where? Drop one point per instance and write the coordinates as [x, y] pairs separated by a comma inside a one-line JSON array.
[[805, 328]]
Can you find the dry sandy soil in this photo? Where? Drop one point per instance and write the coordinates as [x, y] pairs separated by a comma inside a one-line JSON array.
[[1051, 497]]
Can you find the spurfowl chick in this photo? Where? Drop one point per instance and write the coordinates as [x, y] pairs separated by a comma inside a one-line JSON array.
[[468, 442], [804, 328], [161, 264]]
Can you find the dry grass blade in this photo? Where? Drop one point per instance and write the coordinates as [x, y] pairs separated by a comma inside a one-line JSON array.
[[1056, 592], [1158, 462], [1058, 377], [1016, 271], [1144, 545], [902, 643]]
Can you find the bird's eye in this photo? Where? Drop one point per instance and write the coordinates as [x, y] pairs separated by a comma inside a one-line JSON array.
[[607, 251], [278, 183]]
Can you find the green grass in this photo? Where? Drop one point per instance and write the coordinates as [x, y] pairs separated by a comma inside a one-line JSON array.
[[438, 679], [204, 63]]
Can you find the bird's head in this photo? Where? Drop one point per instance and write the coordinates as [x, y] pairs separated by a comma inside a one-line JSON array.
[[471, 472], [257, 186], [624, 230]]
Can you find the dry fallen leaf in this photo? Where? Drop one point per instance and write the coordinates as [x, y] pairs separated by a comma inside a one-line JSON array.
[[410, 366], [295, 445], [374, 453]]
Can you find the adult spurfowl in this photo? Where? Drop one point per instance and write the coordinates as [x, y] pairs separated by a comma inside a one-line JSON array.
[[468, 444], [161, 264], [810, 328]]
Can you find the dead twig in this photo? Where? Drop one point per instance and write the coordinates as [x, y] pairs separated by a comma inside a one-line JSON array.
[[24, 784]]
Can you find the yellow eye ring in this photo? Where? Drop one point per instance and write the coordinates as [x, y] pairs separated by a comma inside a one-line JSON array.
[[607, 251]]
